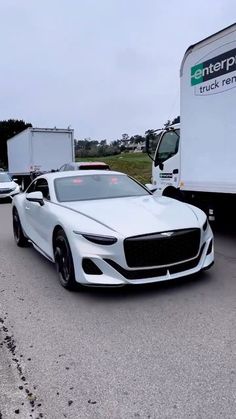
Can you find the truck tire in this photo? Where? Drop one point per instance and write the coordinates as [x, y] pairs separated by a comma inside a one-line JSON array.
[[172, 192]]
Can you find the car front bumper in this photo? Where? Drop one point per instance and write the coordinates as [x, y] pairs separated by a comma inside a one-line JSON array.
[[9, 194], [114, 274]]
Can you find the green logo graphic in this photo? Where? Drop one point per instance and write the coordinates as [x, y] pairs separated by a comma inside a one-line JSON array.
[[197, 74], [215, 67]]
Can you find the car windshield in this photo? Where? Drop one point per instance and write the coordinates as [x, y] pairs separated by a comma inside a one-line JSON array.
[[4, 177], [87, 187]]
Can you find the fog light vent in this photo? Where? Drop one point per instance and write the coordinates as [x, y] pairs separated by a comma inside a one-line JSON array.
[[90, 268], [209, 250]]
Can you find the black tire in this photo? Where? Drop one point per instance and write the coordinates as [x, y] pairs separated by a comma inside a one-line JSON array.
[[64, 261], [19, 236], [171, 192]]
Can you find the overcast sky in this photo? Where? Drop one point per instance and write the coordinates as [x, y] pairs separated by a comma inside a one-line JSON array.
[[104, 67]]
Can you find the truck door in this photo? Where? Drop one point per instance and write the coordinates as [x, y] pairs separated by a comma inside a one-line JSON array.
[[166, 165]]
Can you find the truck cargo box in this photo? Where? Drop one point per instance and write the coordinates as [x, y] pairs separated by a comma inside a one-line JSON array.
[[40, 149], [208, 123]]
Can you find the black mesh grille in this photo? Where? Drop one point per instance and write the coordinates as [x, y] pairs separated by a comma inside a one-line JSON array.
[[3, 191], [186, 266], [137, 274], [150, 273], [162, 248], [90, 268]]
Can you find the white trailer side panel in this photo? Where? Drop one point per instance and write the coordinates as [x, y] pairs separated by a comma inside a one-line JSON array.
[[50, 150], [18, 151], [208, 122]]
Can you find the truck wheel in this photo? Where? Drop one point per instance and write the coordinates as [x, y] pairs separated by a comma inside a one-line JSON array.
[[19, 236], [172, 192], [64, 261]]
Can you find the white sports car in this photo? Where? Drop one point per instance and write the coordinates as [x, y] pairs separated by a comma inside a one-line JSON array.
[[106, 229]]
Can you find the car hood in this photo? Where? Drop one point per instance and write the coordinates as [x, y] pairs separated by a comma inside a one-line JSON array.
[[7, 185], [138, 215]]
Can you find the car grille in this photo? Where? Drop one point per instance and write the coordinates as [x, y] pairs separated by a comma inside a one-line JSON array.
[[3, 191], [156, 272], [161, 249]]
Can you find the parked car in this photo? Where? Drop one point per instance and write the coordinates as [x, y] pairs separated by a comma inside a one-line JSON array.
[[86, 165], [104, 228], [8, 186]]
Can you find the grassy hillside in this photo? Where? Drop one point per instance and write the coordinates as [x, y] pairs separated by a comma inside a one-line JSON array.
[[137, 165]]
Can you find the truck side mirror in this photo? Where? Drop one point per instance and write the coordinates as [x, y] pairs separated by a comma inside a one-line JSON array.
[[150, 187], [161, 165], [147, 145]]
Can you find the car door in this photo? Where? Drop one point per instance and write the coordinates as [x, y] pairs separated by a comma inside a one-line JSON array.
[[40, 218]]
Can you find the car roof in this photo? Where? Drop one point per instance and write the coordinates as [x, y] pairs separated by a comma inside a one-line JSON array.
[[87, 163], [90, 163], [70, 173]]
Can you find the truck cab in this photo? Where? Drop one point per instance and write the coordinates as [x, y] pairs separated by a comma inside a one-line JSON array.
[[166, 161]]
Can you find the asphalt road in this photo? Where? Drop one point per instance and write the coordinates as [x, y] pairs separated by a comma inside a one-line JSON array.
[[163, 351]]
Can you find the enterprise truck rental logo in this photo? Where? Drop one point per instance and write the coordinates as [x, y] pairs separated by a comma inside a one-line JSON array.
[[215, 75]]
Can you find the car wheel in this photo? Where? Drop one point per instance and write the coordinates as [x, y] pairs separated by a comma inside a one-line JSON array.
[[19, 236], [64, 261]]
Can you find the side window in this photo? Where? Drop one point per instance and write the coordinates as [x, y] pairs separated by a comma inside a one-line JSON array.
[[168, 147], [42, 186], [31, 187]]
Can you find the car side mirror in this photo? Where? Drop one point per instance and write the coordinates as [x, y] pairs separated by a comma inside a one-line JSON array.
[[35, 197]]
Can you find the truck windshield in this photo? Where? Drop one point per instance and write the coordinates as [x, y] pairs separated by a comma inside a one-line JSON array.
[[168, 146]]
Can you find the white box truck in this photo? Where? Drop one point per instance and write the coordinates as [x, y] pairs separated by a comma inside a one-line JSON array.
[[199, 165], [38, 150]]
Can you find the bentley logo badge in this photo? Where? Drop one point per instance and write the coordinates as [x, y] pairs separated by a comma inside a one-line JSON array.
[[167, 233]]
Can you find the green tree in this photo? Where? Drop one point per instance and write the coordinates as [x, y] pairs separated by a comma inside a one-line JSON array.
[[103, 143], [125, 137], [153, 137], [150, 134], [137, 139], [8, 129]]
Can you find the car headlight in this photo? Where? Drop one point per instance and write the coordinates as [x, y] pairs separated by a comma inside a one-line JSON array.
[[205, 225], [104, 240]]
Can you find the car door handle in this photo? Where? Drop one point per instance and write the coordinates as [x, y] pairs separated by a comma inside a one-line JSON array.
[[27, 208], [175, 171]]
